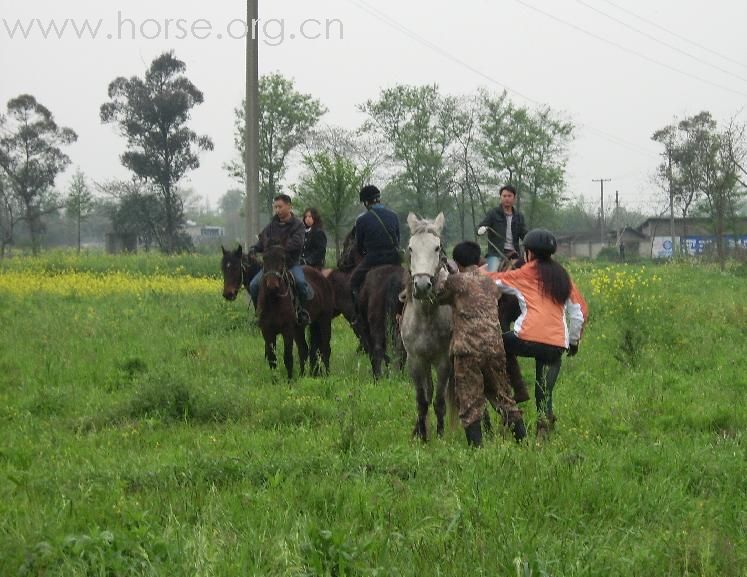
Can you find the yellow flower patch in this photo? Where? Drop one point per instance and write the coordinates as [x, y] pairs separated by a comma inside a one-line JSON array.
[[22, 283]]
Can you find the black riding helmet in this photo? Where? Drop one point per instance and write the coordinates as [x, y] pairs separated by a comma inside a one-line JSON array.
[[541, 242], [369, 193]]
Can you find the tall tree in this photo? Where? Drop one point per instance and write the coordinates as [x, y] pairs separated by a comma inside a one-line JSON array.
[[331, 184], [31, 157], [10, 213], [469, 174], [231, 206], [679, 172], [136, 208], [152, 114], [418, 124], [705, 169], [286, 116], [79, 203], [527, 149]]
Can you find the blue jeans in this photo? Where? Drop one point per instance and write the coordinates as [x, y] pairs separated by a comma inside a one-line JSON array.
[[305, 292], [493, 263]]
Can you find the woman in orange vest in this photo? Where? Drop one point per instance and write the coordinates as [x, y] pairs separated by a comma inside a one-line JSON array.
[[553, 313]]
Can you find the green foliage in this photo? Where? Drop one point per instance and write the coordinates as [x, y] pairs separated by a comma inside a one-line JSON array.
[[609, 254], [145, 435], [80, 202], [11, 210], [704, 169], [331, 184], [152, 114], [31, 158], [286, 116], [527, 149], [418, 123]]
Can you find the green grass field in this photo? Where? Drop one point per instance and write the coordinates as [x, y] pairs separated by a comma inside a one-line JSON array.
[[141, 433]]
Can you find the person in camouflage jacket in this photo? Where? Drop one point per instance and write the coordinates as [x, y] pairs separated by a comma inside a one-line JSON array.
[[477, 346]]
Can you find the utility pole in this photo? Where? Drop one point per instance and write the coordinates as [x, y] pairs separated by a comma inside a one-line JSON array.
[[601, 182], [251, 128]]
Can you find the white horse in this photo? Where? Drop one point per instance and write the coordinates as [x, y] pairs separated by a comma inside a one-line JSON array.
[[426, 326]]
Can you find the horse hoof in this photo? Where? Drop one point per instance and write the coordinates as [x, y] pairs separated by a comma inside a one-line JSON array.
[[420, 432]]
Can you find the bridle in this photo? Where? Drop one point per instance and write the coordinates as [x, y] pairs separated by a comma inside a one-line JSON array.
[[442, 265], [282, 275]]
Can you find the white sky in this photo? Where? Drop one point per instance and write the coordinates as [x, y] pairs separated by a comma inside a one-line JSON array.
[[617, 99]]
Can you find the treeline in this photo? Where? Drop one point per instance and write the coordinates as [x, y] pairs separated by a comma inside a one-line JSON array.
[[703, 171], [428, 151]]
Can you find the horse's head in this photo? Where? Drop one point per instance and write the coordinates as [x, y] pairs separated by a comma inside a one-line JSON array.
[[427, 255], [273, 266], [349, 258], [232, 272]]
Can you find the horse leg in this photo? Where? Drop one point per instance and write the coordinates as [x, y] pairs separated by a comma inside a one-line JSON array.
[[443, 372], [288, 353], [303, 350], [325, 341], [377, 336], [422, 398], [314, 348], [272, 359]]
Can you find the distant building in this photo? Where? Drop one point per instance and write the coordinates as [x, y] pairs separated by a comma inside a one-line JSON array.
[[203, 233], [653, 238], [694, 236], [628, 242]]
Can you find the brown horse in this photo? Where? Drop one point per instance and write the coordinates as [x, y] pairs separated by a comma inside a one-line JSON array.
[[238, 270], [378, 307], [508, 311], [276, 312]]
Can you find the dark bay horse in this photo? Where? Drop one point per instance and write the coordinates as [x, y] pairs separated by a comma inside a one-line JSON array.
[[378, 304], [238, 270], [276, 314]]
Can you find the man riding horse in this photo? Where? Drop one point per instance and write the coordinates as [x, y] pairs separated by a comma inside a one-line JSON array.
[[377, 239], [287, 230]]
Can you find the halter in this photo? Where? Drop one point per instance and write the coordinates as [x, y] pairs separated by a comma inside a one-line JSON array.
[[442, 265], [282, 275]]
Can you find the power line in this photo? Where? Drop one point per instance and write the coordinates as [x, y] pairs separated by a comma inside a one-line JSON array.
[[376, 13], [629, 50], [675, 34], [660, 41], [388, 20]]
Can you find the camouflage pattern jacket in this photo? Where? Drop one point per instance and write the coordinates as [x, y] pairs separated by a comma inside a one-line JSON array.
[[476, 328]]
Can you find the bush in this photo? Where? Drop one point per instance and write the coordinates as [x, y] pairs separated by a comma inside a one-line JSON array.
[[609, 254]]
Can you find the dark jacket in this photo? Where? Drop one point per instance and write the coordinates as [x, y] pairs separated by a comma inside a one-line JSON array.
[[314, 247], [289, 234], [376, 241], [496, 219]]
